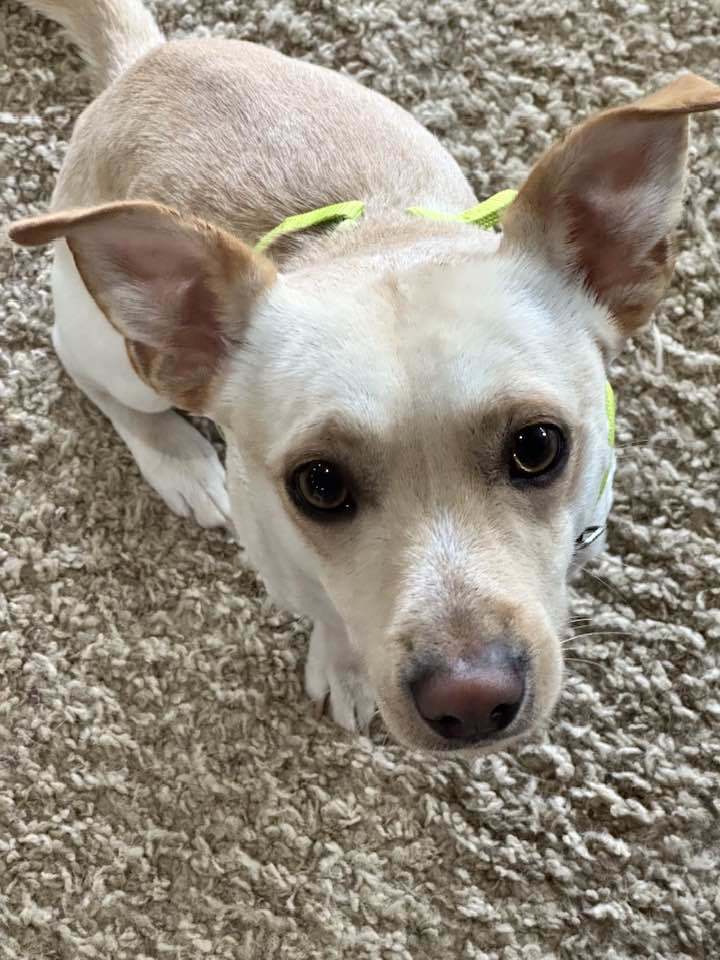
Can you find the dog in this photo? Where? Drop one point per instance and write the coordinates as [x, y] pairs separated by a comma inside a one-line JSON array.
[[416, 409]]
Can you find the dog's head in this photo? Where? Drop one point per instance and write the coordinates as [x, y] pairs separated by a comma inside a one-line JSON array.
[[417, 446]]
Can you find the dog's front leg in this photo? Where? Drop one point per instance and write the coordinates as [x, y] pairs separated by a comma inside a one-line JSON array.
[[332, 671]]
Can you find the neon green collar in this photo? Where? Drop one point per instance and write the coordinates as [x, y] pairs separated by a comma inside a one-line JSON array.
[[485, 215], [610, 408]]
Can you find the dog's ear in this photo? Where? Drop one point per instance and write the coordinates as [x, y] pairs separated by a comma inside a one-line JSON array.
[[179, 290], [603, 203]]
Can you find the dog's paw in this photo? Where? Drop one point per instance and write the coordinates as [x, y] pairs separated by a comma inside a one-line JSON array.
[[331, 678], [183, 467]]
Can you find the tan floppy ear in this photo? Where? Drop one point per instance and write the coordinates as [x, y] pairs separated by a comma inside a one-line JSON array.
[[603, 203], [180, 291]]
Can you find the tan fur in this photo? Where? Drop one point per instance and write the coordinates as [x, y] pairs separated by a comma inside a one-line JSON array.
[[110, 36], [209, 104]]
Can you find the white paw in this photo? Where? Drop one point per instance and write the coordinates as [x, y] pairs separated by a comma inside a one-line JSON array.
[[330, 674], [184, 469]]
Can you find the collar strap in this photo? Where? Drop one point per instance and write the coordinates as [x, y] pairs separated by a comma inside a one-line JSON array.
[[610, 408], [350, 210], [486, 215]]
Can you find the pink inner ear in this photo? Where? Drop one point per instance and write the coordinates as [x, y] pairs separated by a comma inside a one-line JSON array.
[[198, 330], [620, 200], [146, 256], [596, 235], [162, 293]]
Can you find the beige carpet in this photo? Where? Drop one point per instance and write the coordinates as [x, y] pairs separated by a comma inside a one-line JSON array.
[[164, 789]]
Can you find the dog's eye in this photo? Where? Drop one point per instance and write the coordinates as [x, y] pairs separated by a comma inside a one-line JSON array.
[[321, 490], [536, 450]]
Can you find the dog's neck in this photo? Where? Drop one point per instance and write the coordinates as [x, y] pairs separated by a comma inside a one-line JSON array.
[[382, 238], [388, 229]]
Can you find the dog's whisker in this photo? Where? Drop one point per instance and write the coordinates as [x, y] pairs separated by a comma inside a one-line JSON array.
[[616, 592], [634, 443], [606, 583], [621, 454], [597, 577]]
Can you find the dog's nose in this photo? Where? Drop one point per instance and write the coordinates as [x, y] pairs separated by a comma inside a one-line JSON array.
[[472, 700]]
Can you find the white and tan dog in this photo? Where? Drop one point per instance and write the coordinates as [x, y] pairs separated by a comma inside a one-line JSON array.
[[414, 408]]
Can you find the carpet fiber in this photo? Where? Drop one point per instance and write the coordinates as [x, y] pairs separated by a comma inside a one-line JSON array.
[[165, 791]]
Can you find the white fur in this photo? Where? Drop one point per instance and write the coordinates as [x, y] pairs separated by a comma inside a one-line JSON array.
[[506, 330], [332, 671]]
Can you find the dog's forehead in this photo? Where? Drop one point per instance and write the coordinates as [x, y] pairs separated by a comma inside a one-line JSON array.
[[444, 338]]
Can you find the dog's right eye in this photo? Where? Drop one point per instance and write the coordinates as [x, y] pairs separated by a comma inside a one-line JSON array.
[[321, 490]]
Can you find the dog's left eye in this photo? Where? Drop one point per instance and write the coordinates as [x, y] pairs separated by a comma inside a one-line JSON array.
[[320, 489], [536, 450]]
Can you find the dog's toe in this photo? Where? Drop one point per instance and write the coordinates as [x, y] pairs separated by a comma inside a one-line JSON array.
[[336, 686], [184, 469], [351, 702], [210, 504]]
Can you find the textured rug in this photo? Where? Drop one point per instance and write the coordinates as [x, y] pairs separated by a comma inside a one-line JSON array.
[[165, 791]]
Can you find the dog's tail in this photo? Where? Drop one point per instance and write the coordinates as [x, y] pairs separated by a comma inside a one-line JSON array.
[[111, 34]]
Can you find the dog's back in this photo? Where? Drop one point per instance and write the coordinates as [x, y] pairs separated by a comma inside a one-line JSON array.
[[234, 132]]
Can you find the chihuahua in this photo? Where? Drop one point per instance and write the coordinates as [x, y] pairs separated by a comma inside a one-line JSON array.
[[417, 420]]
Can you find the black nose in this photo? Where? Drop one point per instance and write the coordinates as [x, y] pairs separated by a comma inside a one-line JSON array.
[[472, 700]]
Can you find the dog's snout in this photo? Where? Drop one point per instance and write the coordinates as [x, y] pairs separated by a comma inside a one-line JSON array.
[[472, 700]]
